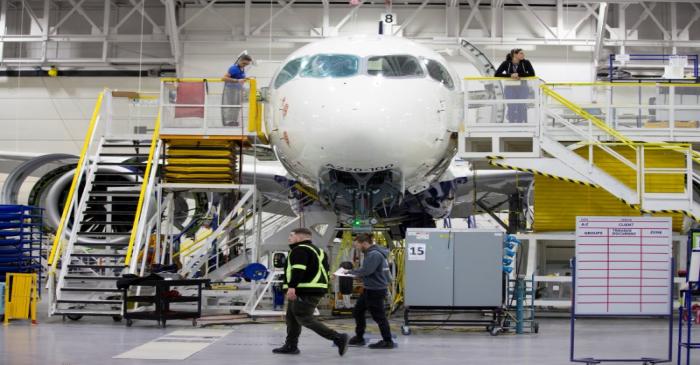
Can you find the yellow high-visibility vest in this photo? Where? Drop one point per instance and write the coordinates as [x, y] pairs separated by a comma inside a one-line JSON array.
[[322, 273]]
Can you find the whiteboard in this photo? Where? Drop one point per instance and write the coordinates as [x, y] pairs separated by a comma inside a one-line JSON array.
[[623, 266]]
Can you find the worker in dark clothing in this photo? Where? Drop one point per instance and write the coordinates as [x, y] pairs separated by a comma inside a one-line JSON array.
[[375, 278], [514, 67], [234, 79], [306, 282]]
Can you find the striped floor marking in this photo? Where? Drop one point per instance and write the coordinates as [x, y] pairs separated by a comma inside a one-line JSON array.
[[177, 345]]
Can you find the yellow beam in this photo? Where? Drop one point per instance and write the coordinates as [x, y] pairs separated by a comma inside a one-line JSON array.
[[55, 247]]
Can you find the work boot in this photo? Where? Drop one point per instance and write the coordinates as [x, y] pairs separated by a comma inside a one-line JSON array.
[[287, 350], [357, 341], [382, 345], [342, 342]]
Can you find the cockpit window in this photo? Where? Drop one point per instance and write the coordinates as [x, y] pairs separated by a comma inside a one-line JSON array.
[[288, 72], [330, 65], [439, 73], [394, 66]]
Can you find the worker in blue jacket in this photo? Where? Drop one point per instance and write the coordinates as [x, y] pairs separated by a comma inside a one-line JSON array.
[[376, 277], [232, 97]]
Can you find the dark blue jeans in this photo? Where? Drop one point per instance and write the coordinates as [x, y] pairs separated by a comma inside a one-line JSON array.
[[517, 113]]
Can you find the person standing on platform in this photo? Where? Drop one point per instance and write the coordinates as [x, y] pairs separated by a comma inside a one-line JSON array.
[[375, 278], [515, 67], [233, 91], [306, 282]]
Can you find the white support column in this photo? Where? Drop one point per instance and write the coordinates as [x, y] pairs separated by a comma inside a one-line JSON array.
[[106, 14], [674, 26], [326, 22], [452, 19], [3, 27], [246, 17], [497, 19], [600, 33], [560, 18], [173, 34], [45, 31], [622, 24]]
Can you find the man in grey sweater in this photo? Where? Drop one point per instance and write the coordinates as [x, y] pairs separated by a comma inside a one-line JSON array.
[[375, 277]]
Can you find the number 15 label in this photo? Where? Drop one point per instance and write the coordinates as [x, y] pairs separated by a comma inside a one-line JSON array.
[[416, 251]]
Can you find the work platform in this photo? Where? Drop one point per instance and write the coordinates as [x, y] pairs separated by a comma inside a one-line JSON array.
[[633, 141]]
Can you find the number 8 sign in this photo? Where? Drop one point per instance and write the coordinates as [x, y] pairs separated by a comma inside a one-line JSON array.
[[416, 251], [388, 18]]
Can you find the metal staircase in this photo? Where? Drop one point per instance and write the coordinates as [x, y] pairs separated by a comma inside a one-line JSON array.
[[567, 141], [102, 210]]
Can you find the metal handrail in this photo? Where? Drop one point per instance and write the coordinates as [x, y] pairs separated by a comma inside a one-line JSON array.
[[145, 188], [255, 108], [547, 89], [77, 177]]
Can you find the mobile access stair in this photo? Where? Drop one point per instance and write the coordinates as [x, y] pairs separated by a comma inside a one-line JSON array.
[[96, 231], [635, 141]]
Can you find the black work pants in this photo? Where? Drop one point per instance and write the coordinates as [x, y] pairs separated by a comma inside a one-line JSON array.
[[300, 313], [372, 300]]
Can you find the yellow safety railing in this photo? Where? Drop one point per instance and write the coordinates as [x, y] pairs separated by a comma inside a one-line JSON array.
[[255, 107], [142, 194], [57, 242], [586, 115], [547, 90]]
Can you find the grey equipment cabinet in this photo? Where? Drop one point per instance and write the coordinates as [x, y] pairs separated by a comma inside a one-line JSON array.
[[450, 271]]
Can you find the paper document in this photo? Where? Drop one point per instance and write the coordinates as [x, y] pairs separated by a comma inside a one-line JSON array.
[[342, 272]]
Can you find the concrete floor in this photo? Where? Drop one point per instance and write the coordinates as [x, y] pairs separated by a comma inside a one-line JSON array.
[[96, 340]]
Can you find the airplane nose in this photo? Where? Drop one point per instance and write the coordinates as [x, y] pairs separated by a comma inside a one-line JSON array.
[[363, 124]]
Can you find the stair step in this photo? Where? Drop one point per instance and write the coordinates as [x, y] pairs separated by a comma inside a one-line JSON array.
[[94, 290], [79, 277], [115, 193], [116, 255], [113, 202], [104, 234], [125, 164], [113, 223], [102, 212], [98, 173], [125, 145], [87, 301], [103, 244], [116, 183], [124, 154], [96, 266]]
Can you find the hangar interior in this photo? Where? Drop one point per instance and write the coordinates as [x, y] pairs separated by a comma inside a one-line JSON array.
[[540, 218]]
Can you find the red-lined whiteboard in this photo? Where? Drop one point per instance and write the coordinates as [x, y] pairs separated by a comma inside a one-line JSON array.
[[623, 265]]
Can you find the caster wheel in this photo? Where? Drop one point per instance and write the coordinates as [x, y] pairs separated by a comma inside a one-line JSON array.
[[536, 327], [495, 331], [235, 311], [194, 323], [117, 318], [506, 324], [162, 324], [405, 330], [74, 317], [129, 322], [490, 327]]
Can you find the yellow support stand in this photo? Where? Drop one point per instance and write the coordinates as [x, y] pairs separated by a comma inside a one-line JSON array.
[[20, 297]]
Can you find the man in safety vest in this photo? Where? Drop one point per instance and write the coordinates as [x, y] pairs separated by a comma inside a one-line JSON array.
[[306, 282]]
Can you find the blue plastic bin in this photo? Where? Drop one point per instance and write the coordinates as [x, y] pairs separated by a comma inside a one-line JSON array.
[[2, 298]]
